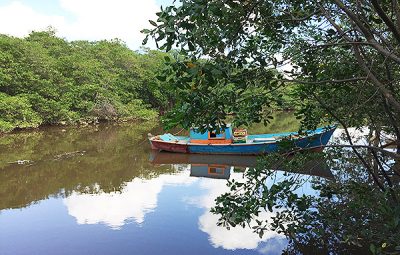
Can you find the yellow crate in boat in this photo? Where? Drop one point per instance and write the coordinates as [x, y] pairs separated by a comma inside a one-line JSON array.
[[240, 132]]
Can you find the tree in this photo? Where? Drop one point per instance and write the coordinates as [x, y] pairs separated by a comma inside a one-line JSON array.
[[331, 44], [45, 79], [344, 59]]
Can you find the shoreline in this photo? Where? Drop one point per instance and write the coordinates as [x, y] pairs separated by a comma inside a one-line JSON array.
[[78, 124]]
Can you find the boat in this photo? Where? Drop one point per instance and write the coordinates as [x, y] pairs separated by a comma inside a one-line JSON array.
[[220, 166], [236, 141]]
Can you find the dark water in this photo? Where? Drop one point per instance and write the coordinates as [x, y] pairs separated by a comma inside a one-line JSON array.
[[102, 191]]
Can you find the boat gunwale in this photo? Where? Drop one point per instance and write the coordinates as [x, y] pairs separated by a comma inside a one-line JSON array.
[[320, 132]]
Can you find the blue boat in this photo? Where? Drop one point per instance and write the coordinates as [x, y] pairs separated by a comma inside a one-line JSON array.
[[236, 141]]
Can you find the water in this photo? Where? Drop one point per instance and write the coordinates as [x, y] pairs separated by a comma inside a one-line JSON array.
[[101, 190]]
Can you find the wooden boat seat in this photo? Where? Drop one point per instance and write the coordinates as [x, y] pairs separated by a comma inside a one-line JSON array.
[[263, 139]]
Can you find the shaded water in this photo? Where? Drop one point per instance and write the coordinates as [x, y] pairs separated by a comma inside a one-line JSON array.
[[100, 190]]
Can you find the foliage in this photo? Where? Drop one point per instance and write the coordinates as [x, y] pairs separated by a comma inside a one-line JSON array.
[[48, 80], [349, 213], [342, 65], [135, 109], [16, 111], [233, 66]]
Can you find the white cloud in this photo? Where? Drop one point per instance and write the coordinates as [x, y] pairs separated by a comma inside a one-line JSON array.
[[18, 19], [138, 198], [235, 238], [238, 237], [91, 19]]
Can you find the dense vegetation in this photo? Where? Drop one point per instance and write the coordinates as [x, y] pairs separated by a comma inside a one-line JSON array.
[[345, 56], [48, 80]]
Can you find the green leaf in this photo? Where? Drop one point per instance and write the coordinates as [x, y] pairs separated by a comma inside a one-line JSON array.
[[372, 248], [191, 46], [153, 23], [170, 30], [144, 42], [161, 78]]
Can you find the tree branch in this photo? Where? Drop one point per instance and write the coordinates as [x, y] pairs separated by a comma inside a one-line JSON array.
[[326, 81], [352, 146], [396, 7], [386, 19], [339, 44], [390, 144], [295, 19], [367, 33], [385, 92], [387, 178]]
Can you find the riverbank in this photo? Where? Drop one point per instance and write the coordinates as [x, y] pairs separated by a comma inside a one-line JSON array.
[[149, 115]]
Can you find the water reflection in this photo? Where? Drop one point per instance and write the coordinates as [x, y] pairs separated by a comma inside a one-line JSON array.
[[218, 166], [86, 182], [110, 157], [140, 197], [235, 238], [225, 167], [115, 209]]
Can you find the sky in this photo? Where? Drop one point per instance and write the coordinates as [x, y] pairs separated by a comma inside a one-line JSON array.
[[81, 19]]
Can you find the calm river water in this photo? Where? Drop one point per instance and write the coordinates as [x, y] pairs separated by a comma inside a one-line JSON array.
[[101, 190]]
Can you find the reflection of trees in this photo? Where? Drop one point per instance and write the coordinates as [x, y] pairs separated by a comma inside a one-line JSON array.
[[352, 214], [106, 157]]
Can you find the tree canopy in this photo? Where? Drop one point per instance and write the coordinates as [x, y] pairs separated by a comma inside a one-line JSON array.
[[45, 79], [349, 49], [339, 61]]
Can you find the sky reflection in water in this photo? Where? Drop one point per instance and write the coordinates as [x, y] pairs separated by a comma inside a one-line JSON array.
[[111, 200], [139, 199]]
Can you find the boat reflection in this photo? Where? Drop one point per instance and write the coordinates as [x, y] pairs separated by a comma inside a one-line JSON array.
[[233, 166], [219, 166]]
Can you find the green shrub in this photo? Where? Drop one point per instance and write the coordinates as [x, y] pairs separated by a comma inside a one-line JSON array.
[[137, 110], [17, 112], [48, 80], [6, 126]]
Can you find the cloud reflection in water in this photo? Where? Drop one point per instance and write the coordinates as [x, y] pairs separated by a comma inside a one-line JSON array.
[[140, 197], [238, 237]]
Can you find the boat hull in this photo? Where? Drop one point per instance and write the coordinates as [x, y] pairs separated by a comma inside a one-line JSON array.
[[316, 142], [169, 146]]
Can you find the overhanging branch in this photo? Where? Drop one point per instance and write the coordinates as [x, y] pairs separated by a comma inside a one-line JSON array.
[[386, 19], [326, 81]]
